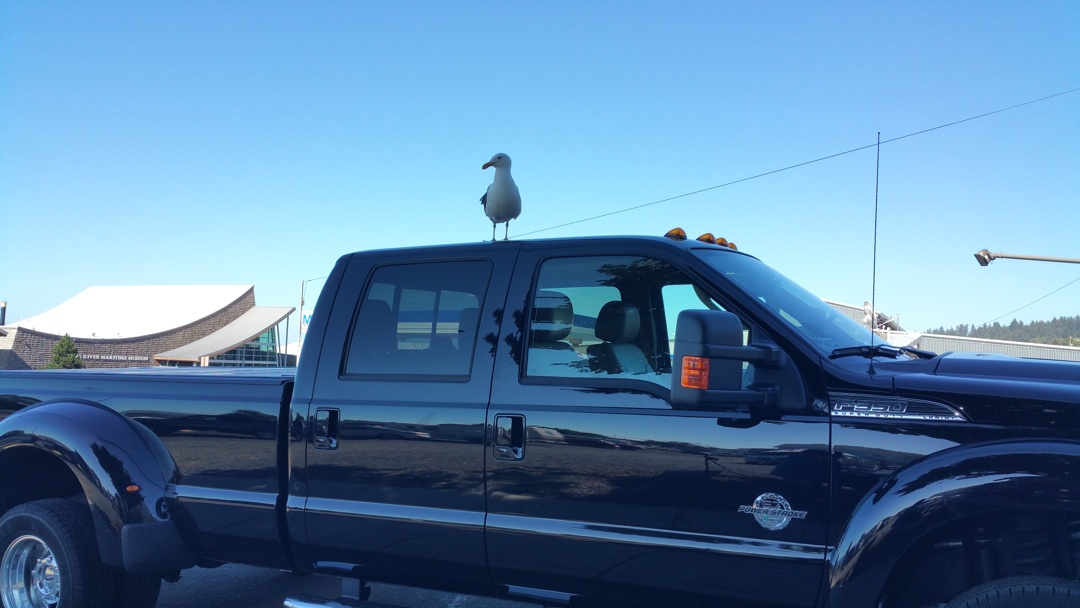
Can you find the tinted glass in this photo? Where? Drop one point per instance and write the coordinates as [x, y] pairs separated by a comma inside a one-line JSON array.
[[418, 320], [608, 317], [821, 324]]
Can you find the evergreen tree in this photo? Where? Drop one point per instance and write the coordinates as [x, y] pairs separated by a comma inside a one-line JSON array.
[[65, 355], [1056, 331]]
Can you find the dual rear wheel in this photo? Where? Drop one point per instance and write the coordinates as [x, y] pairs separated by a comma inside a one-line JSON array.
[[1021, 592], [50, 560]]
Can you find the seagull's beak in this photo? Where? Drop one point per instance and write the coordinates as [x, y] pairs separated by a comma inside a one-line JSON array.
[[486, 165]]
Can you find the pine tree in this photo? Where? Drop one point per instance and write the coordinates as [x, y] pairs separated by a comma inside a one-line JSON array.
[[65, 355], [1060, 330]]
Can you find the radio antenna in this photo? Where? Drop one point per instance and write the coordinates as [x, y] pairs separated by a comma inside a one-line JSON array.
[[873, 273]]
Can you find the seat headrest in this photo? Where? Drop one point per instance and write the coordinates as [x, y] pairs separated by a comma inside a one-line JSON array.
[[553, 316], [618, 322], [376, 327], [467, 322]]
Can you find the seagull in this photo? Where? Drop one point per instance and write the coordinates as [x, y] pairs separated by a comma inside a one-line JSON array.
[[502, 201]]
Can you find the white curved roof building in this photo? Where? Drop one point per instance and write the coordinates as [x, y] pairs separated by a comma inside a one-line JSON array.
[[129, 326]]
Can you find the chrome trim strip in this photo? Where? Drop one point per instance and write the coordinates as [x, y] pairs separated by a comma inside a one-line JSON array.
[[388, 512], [709, 543], [539, 595], [230, 498]]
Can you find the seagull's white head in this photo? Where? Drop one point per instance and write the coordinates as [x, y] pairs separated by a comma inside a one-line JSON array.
[[499, 161]]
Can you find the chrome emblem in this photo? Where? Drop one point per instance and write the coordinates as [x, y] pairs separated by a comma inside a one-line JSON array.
[[772, 511]]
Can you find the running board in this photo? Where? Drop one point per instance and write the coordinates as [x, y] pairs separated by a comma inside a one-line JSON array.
[[304, 601], [354, 594]]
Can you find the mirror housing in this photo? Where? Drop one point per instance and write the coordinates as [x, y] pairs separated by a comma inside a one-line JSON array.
[[708, 362]]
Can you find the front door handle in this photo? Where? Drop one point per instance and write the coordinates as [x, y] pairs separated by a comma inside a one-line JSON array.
[[509, 437], [325, 433]]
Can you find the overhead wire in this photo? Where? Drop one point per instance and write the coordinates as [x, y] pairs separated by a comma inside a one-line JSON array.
[[1033, 302], [802, 164]]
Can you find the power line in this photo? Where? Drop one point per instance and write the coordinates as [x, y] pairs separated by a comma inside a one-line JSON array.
[[802, 164], [1030, 303]]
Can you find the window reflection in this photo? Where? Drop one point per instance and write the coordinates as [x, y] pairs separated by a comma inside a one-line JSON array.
[[608, 316]]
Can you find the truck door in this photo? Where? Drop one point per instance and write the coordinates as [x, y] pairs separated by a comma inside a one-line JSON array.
[[597, 485], [393, 484]]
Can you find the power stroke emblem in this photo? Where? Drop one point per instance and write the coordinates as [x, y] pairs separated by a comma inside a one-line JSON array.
[[772, 511]]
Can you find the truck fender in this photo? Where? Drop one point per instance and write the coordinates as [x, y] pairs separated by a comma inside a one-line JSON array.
[[943, 488], [124, 471]]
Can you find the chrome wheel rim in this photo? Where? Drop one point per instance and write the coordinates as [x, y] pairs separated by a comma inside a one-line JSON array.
[[29, 574]]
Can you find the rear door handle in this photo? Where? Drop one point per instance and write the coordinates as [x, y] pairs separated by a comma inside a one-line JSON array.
[[509, 437]]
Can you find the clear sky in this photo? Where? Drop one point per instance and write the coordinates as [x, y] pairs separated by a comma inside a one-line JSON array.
[[153, 143]]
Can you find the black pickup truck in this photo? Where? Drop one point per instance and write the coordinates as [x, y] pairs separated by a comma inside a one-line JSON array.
[[601, 421]]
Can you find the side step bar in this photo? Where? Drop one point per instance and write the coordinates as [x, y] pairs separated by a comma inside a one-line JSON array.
[[354, 594], [304, 601]]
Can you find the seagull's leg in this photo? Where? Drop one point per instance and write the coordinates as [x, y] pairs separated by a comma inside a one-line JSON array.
[[493, 231]]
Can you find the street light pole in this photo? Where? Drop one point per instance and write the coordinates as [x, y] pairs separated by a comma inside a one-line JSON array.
[[300, 330], [985, 257]]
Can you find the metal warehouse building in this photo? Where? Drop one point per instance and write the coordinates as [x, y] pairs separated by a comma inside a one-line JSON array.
[[889, 329], [176, 325]]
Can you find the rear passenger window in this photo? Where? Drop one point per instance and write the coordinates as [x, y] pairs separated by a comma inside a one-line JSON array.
[[418, 320]]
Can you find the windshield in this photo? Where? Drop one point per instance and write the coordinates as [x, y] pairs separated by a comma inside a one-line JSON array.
[[818, 322]]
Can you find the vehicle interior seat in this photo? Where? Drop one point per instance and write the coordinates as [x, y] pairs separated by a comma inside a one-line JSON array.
[[374, 341], [467, 323], [617, 325], [448, 353], [549, 354]]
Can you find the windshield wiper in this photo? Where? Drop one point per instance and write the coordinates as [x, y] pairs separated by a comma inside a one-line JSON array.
[[877, 350], [880, 350], [918, 352]]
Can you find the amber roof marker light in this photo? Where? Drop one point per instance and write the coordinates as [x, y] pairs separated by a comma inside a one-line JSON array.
[[678, 234]]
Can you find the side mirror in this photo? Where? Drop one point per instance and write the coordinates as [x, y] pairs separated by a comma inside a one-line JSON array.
[[708, 363]]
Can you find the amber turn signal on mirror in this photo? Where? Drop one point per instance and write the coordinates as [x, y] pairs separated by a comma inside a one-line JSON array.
[[695, 372]]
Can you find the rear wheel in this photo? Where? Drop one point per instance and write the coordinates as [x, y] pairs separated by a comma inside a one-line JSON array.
[[1021, 592], [136, 590], [50, 558]]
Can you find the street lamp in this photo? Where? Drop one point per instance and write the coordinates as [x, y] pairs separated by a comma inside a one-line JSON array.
[[300, 331], [985, 257]]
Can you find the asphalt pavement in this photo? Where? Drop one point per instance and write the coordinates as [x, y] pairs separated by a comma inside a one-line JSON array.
[[249, 587]]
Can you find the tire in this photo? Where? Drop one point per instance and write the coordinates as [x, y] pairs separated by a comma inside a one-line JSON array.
[[50, 559], [1021, 592], [136, 590]]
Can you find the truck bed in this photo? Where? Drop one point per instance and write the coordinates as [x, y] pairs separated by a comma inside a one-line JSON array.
[[221, 427]]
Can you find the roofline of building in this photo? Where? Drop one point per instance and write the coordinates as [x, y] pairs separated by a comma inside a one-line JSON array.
[[211, 345], [921, 334]]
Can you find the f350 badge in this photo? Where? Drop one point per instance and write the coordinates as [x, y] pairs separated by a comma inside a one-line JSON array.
[[772, 511]]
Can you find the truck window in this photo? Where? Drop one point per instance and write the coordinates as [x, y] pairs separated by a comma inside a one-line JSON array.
[[418, 320], [608, 316], [819, 323]]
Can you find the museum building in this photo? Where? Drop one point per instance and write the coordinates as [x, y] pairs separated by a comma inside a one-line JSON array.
[[172, 325]]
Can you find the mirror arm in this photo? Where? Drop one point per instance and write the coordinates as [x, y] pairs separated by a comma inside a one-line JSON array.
[[759, 354], [755, 395]]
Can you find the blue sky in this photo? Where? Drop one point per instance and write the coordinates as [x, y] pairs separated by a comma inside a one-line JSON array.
[[256, 142]]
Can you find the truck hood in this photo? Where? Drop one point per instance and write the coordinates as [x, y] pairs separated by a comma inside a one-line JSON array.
[[1004, 366], [991, 388]]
